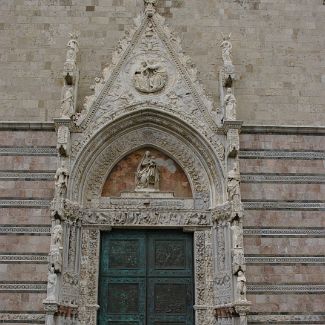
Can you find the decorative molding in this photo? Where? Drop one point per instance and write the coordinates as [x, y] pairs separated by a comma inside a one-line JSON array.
[[112, 149], [285, 259], [26, 126], [28, 230], [314, 232], [23, 258], [24, 203], [282, 205], [23, 287], [281, 154], [25, 175], [285, 129], [286, 288], [283, 178], [21, 317], [149, 217], [287, 318], [28, 151]]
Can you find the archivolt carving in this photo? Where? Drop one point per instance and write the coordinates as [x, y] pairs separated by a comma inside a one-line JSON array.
[[191, 153]]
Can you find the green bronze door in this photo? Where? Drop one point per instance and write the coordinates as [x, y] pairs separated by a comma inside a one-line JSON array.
[[146, 278]]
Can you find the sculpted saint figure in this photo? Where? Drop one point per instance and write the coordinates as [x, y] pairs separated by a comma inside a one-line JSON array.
[[147, 176], [233, 184], [72, 51], [230, 103], [241, 286], [61, 181], [56, 248], [57, 235], [67, 103], [226, 48], [237, 234], [51, 285]]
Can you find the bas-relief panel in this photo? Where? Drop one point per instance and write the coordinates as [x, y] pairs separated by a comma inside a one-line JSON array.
[[122, 178]]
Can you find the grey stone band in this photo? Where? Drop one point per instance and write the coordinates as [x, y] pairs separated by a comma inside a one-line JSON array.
[[282, 205], [24, 258], [22, 287], [282, 178], [28, 230], [28, 151], [25, 203], [286, 288], [285, 232], [285, 259], [23, 175], [281, 154]]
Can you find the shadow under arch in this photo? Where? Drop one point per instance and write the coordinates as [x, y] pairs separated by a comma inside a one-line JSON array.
[[153, 128]]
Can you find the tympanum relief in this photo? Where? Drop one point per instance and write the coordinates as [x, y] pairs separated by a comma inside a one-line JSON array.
[[149, 77], [147, 175]]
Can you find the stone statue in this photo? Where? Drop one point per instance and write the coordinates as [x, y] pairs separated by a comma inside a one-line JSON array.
[[72, 50], [56, 248], [233, 184], [238, 260], [70, 68], [150, 77], [52, 279], [57, 235], [67, 103], [61, 181], [237, 234], [147, 176], [230, 105], [241, 286], [226, 48]]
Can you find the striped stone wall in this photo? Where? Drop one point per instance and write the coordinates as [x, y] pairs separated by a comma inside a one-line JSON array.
[[283, 189], [27, 167]]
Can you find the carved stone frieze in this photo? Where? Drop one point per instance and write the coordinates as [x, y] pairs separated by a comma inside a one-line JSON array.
[[149, 217], [70, 289], [154, 203]]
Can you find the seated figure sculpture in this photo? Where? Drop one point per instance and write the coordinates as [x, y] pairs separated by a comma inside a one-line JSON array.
[[147, 175]]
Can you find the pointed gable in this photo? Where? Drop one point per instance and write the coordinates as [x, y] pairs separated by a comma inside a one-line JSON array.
[[149, 68]]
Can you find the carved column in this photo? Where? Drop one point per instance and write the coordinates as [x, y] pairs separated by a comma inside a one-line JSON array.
[[89, 276], [203, 271]]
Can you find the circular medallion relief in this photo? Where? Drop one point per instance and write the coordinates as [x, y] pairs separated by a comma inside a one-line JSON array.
[[150, 76]]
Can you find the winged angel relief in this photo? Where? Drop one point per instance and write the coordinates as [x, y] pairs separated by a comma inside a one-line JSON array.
[[150, 77]]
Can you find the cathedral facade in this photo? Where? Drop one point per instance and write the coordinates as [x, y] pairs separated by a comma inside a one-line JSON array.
[[136, 190]]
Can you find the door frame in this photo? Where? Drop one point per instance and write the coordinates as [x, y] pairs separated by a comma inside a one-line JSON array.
[[203, 270]]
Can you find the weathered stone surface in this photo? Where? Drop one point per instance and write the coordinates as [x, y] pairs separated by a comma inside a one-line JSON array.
[[280, 79]]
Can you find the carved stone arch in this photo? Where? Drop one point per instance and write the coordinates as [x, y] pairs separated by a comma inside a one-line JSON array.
[[148, 127]]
